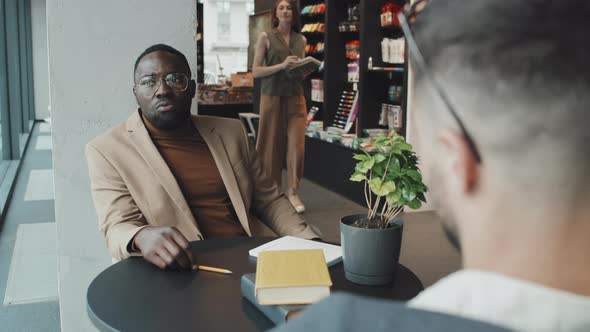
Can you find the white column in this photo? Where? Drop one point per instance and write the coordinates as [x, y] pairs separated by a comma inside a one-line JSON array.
[[411, 130], [92, 48], [40, 61]]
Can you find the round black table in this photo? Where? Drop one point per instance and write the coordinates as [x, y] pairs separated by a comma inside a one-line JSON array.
[[134, 295]]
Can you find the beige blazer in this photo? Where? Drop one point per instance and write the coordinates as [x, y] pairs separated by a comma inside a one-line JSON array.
[[133, 187]]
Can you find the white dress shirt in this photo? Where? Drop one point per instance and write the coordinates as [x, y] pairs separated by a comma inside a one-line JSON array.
[[508, 302]]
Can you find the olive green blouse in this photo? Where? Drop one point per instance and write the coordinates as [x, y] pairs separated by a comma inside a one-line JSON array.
[[281, 83]]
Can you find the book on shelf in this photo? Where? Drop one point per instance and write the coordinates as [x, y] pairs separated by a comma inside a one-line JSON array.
[[317, 90], [291, 277], [310, 115], [307, 64], [353, 113], [276, 313], [347, 112], [332, 253]]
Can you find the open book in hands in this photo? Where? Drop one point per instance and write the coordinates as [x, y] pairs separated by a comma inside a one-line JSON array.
[[304, 66]]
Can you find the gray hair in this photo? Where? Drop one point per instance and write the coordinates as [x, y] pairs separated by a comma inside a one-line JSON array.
[[518, 73]]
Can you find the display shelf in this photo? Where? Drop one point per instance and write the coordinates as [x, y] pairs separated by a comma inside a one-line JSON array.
[[349, 26], [200, 44], [315, 6], [312, 39], [315, 54], [312, 16], [330, 164], [313, 33], [399, 69], [393, 28], [316, 74], [372, 84]]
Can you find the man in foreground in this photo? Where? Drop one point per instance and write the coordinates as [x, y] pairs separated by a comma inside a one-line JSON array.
[[165, 177], [501, 108]]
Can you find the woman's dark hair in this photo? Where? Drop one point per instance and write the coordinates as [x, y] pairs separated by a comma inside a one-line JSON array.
[[296, 22]]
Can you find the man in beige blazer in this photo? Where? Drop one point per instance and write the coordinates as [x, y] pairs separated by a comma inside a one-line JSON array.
[[143, 206]]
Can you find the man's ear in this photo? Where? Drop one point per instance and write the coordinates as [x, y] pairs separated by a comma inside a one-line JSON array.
[[135, 94], [193, 88], [463, 163], [134, 85]]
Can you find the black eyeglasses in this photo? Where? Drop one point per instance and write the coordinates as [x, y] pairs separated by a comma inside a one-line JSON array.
[[151, 83], [405, 17]]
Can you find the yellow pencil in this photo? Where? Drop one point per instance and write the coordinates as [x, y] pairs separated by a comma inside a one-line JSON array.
[[211, 269]]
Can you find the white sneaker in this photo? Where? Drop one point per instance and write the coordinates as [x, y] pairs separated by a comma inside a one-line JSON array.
[[296, 202]]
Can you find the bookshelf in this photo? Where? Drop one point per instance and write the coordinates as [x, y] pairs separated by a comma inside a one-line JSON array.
[[346, 23], [376, 81], [313, 23], [200, 47], [327, 163]]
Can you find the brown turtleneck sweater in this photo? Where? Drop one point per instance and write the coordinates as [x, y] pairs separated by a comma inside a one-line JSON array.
[[190, 161]]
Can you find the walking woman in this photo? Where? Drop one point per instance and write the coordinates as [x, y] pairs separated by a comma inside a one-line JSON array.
[[281, 132]]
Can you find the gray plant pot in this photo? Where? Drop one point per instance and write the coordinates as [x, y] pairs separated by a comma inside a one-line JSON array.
[[370, 256]]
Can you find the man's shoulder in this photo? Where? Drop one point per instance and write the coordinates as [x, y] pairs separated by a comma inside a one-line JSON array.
[[455, 287], [347, 312], [224, 126], [116, 133], [216, 120], [504, 300]]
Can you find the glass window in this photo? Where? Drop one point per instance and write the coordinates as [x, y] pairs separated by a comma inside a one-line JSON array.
[[225, 36], [4, 136], [12, 121], [223, 19], [16, 88], [250, 7]]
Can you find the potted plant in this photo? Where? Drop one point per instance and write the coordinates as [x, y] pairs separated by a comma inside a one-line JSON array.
[[371, 242]]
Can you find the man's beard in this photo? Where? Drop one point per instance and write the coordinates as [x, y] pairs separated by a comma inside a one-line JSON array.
[[448, 222], [452, 236], [167, 120]]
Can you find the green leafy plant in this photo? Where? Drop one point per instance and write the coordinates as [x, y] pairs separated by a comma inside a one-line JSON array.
[[389, 169]]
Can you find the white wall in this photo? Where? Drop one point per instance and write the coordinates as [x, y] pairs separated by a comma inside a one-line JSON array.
[[40, 71], [92, 48]]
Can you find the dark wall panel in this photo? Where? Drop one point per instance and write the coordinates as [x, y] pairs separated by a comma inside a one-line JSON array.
[[13, 58], [4, 113], [262, 5]]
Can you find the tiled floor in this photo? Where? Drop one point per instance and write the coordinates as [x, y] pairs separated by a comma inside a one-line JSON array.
[[35, 250], [43, 143], [44, 127], [28, 260], [40, 185]]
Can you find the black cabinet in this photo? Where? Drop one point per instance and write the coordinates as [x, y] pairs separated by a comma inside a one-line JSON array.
[[200, 50]]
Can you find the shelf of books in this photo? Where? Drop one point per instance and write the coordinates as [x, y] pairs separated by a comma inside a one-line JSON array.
[[313, 21], [364, 82], [364, 75], [200, 48]]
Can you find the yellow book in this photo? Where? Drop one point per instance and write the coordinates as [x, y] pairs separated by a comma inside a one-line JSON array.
[[291, 277]]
